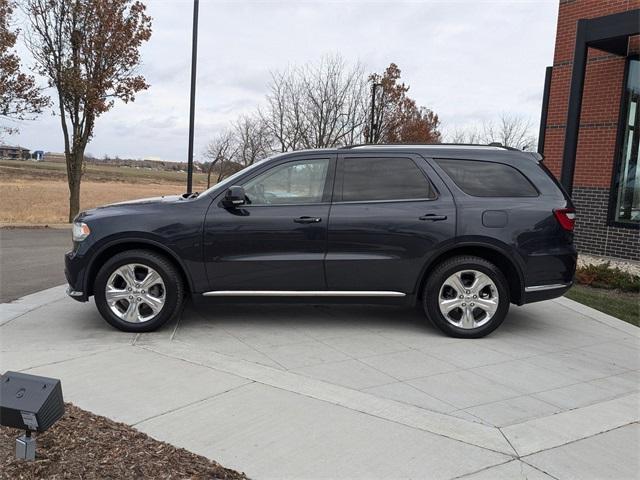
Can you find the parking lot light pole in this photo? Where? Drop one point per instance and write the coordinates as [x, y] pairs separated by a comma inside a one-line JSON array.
[[192, 101], [372, 124]]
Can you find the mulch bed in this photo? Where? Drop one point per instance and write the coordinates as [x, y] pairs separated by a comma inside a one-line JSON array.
[[84, 445]]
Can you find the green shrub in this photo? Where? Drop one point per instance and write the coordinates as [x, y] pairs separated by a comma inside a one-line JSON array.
[[606, 276]]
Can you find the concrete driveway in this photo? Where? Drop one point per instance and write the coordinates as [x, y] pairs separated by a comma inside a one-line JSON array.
[[353, 392]]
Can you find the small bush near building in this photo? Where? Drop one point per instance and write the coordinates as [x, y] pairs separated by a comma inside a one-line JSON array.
[[608, 289], [605, 276]]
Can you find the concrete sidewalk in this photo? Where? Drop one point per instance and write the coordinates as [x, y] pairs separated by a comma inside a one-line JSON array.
[[353, 392]]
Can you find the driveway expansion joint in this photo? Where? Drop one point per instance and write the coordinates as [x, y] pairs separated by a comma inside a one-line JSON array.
[[455, 428]]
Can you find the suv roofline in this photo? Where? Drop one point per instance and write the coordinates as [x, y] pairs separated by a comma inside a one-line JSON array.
[[480, 151], [451, 147]]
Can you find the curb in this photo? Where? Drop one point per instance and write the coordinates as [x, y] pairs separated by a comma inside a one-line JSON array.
[[35, 226], [598, 316], [12, 310]]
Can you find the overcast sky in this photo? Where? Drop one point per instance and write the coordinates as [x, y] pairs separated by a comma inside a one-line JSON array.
[[466, 60]]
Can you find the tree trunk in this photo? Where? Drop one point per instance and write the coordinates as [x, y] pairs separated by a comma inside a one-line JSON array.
[[74, 176], [209, 172]]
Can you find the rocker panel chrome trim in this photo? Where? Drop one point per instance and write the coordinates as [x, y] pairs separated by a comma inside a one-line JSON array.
[[540, 288], [300, 293]]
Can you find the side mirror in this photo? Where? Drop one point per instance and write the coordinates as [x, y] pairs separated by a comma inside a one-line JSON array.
[[235, 197]]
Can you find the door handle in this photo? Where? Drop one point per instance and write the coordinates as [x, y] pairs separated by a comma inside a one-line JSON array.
[[431, 217], [307, 220]]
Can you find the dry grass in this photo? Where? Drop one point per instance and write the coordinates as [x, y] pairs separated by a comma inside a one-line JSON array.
[[38, 193], [44, 202]]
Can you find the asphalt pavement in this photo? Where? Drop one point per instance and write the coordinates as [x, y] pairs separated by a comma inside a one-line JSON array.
[[31, 259]]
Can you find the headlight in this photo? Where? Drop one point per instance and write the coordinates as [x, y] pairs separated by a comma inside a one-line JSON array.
[[80, 231]]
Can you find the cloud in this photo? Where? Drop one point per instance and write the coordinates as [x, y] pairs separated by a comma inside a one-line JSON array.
[[468, 61]]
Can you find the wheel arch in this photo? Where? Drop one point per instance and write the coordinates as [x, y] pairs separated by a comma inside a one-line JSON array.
[[119, 246], [492, 253]]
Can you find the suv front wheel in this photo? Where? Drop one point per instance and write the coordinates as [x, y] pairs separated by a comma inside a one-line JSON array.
[[138, 291], [466, 297]]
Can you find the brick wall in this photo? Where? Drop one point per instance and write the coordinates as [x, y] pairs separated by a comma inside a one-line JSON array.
[[592, 233], [599, 120]]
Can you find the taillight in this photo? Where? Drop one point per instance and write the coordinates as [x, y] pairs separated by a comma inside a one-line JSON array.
[[566, 218]]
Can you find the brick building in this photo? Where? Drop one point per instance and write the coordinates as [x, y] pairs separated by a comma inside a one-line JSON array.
[[590, 128]]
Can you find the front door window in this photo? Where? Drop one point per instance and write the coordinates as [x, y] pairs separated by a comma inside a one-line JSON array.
[[300, 182]]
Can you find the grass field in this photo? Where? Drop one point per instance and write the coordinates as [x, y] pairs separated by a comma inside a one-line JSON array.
[[37, 192]]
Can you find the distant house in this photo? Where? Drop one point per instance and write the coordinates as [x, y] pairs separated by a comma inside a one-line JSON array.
[[14, 152]]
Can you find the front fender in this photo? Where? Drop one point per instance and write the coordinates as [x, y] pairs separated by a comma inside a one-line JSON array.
[[98, 253]]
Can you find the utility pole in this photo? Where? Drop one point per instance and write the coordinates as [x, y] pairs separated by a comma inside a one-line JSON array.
[[192, 102], [372, 123]]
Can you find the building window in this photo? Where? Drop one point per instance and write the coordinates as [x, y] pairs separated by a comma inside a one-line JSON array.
[[627, 198]]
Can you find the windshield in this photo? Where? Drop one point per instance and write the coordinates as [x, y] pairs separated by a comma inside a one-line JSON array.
[[229, 180]]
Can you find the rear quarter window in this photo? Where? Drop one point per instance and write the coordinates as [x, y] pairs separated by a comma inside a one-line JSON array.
[[487, 179]]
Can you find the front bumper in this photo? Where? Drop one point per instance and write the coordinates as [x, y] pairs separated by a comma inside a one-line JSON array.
[[74, 272], [80, 296]]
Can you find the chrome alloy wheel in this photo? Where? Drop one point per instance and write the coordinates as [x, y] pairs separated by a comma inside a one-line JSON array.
[[468, 299], [135, 293]]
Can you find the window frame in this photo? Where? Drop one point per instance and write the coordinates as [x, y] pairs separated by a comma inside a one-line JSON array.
[[339, 180], [617, 159], [467, 159]]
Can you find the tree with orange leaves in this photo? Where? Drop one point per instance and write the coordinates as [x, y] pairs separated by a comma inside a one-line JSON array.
[[397, 117], [89, 51]]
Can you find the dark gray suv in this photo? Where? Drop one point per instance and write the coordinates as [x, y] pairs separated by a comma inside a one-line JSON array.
[[460, 230]]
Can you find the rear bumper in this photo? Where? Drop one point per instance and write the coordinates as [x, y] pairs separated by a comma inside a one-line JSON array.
[[538, 293], [549, 273]]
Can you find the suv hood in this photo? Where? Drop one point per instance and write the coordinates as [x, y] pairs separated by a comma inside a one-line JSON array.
[[140, 201]]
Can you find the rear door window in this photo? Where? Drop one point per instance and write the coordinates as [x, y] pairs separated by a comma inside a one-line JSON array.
[[380, 179], [487, 179]]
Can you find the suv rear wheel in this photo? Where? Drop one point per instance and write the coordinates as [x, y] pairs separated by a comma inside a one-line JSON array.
[[466, 297], [138, 291]]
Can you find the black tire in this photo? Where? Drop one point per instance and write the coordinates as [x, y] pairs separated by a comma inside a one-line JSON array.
[[173, 289], [436, 280]]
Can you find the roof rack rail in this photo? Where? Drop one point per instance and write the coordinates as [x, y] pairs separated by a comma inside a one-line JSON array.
[[492, 144]]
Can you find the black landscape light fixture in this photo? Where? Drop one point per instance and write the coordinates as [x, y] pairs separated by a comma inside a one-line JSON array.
[[30, 403]]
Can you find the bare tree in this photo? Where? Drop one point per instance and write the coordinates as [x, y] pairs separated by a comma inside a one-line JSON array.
[[334, 110], [89, 51], [315, 106], [469, 135], [327, 105], [253, 140], [509, 130], [221, 151], [283, 117]]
